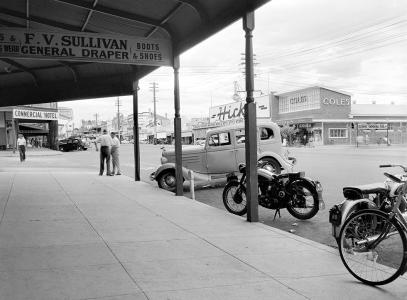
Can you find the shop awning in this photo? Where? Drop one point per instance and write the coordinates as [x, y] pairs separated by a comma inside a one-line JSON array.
[[183, 23]]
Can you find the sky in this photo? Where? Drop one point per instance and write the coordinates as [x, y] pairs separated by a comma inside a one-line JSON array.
[[355, 46]]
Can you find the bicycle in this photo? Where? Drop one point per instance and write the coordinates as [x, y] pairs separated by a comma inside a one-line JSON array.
[[373, 243]]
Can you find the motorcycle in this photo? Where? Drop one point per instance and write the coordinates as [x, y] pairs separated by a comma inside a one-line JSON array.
[[375, 196], [301, 196]]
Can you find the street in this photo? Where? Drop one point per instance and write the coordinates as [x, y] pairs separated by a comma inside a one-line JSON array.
[[334, 166]]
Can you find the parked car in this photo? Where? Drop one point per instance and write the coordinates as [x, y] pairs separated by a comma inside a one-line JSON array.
[[71, 143], [200, 142], [222, 153]]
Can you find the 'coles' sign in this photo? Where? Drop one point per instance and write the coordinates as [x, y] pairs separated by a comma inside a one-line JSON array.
[[84, 47]]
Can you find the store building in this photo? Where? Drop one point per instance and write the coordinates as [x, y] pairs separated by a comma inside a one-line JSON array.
[[379, 123], [65, 122], [325, 117], [38, 123], [319, 114]]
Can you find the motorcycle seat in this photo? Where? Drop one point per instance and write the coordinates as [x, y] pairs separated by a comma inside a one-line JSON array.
[[357, 192]]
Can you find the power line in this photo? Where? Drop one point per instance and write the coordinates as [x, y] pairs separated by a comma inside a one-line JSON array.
[[350, 37]]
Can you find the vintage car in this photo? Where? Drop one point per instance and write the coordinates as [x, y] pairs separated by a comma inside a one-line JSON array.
[[222, 153], [71, 144]]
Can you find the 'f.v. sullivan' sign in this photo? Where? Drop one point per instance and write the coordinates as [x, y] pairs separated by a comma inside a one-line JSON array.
[[84, 47]]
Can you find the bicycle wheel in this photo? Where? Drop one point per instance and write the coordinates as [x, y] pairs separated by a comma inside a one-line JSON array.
[[372, 247]]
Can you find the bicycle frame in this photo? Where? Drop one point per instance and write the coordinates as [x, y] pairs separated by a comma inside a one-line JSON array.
[[395, 213]]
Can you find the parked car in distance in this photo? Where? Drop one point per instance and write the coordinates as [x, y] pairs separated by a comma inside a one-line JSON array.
[[223, 151], [72, 143]]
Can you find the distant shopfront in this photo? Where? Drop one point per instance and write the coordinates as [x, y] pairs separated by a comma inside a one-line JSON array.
[[324, 116], [319, 115], [38, 124]]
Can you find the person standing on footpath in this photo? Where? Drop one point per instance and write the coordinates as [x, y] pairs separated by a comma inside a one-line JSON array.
[[105, 144], [22, 144], [115, 154]]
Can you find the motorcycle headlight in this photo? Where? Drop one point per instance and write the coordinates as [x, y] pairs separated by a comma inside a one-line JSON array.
[[164, 160]]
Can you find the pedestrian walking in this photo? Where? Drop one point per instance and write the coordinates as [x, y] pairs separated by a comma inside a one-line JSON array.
[[105, 142], [22, 144], [115, 154]]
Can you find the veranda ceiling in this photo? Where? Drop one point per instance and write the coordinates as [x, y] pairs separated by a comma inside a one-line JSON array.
[[184, 22]]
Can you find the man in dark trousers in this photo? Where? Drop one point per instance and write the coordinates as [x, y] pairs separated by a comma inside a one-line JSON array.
[[105, 144]]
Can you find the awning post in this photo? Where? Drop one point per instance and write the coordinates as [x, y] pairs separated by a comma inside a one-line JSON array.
[[136, 132], [250, 124], [177, 131]]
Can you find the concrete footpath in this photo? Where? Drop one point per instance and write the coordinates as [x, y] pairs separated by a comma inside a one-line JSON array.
[[70, 235], [31, 152]]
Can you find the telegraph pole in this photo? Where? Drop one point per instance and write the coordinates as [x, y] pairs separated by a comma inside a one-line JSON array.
[[243, 68], [118, 104], [96, 118], [154, 87]]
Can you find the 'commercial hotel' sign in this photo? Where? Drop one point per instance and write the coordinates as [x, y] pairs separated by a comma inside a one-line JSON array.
[[34, 114], [82, 46]]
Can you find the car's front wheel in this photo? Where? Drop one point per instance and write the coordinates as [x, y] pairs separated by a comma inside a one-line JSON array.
[[167, 181]]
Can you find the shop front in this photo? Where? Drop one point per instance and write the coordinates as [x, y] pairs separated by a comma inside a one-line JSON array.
[[37, 124], [379, 132], [318, 116]]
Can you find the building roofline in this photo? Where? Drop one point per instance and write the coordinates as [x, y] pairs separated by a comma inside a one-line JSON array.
[[316, 86]]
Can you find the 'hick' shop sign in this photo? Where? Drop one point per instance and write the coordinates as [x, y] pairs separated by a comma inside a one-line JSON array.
[[84, 47]]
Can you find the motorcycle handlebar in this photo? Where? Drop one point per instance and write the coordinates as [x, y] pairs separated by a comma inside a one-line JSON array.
[[385, 166]]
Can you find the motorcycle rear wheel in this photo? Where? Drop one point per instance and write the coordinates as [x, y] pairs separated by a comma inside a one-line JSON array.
[[304, 203], [234, 198]]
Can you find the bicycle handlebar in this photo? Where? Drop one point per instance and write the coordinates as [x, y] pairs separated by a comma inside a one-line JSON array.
[[391, 166]]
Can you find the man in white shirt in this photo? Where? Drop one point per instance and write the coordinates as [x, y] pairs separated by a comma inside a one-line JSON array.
[[21, 144], [115, 154], [105, 142]]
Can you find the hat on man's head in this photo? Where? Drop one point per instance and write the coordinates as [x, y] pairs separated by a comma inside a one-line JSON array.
[[104, 131]]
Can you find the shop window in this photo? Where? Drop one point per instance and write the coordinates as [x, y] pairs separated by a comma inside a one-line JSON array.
[[219, 139], [338, 133]]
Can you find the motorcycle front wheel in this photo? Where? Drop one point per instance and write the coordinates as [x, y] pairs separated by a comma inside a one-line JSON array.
[[304, 203], [373, 247], [234, 198]]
